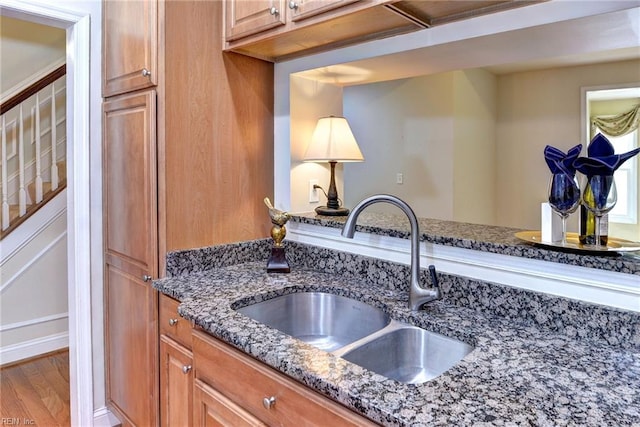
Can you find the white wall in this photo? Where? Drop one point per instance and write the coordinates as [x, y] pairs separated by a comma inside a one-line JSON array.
[[403, 126], [537, 108], [27, 49], [33, 287], [438, 131], [474, 175]]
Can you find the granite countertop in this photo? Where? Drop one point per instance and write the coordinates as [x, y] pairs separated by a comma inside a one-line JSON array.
[[518, 374], [486, 238]]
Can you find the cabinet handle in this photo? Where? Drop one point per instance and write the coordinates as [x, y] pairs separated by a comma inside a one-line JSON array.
[[269, 402], [146, 278], [145, 72], [274, 11], [172, 322], [186, 369], [293, 5]]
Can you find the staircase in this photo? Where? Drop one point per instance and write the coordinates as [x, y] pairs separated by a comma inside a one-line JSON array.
[[48, 193], [32, 160]]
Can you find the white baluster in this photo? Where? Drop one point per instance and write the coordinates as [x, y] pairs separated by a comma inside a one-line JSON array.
[[38, 160], [5, 189], [22, 193], [54, 140]]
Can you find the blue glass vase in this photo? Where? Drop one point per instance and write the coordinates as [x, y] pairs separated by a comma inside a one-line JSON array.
[[564, 198]]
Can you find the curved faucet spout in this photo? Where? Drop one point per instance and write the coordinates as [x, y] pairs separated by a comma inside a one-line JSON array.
[[417, 294]]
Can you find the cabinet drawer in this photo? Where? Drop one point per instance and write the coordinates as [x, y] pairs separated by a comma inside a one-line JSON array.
[[308, 8], [244, 18], [171, 324], [213, 409], [248, 382]]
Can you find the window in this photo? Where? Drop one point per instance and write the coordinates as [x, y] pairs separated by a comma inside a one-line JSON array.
[[600, 104], [626, 209]]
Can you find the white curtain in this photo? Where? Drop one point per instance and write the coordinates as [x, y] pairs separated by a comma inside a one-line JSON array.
[[618, 125]]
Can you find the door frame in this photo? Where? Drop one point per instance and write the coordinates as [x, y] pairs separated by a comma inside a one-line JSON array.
[[77, 26]]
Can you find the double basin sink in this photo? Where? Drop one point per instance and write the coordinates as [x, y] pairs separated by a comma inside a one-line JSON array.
[[361, 334]]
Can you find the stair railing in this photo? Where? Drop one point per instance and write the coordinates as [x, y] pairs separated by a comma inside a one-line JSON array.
[[49, 86]]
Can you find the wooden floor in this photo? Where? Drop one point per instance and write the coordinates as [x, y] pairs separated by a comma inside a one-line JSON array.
[[36, 392]]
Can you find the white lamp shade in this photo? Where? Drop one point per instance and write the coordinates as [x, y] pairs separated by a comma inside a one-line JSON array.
[[333, 140]]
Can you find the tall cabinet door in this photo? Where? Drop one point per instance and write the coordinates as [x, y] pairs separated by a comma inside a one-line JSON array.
[[130, 57], [131, 256]]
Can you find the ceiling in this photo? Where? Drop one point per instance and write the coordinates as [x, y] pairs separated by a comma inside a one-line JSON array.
[[600, 38]]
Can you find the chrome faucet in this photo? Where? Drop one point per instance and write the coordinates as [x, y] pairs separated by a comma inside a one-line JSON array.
[[417, 294]]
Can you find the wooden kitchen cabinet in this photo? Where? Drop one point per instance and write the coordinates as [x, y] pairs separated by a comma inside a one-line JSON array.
[[188, 159], [131, 256], [176, 384], [244, 18], [171, 324], [130, 43], [267, 30], [302, 9], [176, 360], [250, 387], [307, 26]]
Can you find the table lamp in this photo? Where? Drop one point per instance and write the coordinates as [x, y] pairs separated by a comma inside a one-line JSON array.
[[333, 142]]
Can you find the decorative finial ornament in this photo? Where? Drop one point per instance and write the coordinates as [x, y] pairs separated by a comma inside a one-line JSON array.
[[277, 262]]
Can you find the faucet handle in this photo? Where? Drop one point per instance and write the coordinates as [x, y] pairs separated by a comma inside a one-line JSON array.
[[434, 278]]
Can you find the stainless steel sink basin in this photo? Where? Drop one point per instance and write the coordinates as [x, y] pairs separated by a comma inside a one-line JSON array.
[[408, 354], [324, 320], [361, 334]]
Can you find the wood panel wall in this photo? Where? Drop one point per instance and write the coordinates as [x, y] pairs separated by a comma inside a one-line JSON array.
[[215, 133]]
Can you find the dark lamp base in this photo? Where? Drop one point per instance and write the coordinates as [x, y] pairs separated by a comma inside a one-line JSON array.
[[323, 210]]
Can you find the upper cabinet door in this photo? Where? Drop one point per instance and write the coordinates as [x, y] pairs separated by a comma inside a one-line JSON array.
[[247, 17], [301, 9], [130, 43]]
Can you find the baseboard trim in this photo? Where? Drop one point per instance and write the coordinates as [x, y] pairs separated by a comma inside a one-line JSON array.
[[103, 417], [28, 349]]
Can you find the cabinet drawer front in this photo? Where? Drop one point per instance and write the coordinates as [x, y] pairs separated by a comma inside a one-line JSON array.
[[248, 382], [213, 409], [308, 8], [171, 324], [244, 18]]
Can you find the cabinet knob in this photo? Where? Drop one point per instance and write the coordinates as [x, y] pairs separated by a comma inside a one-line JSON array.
[[146, 278], [269, 402], [145, 72], [186, 369], [293, 5], [172, 322], [274, 11]]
